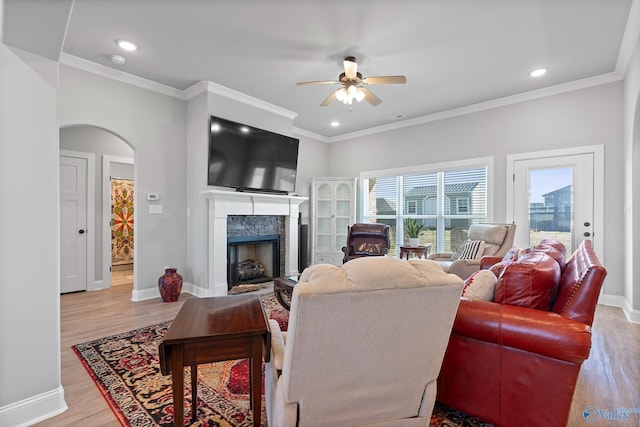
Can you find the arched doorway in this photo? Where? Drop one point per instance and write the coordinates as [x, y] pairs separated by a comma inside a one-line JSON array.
[[106, 155]]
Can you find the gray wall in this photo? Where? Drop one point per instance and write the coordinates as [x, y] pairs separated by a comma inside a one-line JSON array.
[[632, 183], [90, 139], [312, 161], [154, 125], [29, 226], [580, 118]]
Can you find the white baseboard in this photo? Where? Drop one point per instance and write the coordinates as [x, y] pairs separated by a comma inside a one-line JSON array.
[[151, 293], [33, 409], [620, 301]]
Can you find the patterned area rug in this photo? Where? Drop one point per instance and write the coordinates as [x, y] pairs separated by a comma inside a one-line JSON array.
[[125, 368]]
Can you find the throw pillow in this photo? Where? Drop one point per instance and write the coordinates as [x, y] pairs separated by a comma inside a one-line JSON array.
[[480, 285], [499, 267], [531, 281], [472, 249]]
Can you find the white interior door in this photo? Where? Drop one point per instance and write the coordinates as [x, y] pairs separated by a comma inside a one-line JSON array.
[[73, 224], [553, 197]]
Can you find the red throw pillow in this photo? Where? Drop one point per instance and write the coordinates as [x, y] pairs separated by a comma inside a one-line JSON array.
[[531, 281]]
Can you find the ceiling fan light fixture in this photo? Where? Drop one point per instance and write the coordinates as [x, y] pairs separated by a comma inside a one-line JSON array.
[[359, 95], [341, 94]]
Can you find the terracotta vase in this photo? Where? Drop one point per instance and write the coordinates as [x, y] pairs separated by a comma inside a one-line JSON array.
[[170, 285]]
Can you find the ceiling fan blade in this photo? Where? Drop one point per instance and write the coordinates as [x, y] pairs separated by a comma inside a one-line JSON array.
[[329, 99], [319, 82], [350, 67], [380, 80], [369, 96]]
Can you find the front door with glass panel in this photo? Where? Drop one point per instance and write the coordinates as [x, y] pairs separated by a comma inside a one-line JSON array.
[[553, 198]]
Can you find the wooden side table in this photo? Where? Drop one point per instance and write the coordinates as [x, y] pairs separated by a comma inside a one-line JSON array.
[[419, 251], [283, 289], [212, 330]]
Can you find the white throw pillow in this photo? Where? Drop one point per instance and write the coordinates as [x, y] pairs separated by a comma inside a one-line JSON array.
[[480, 285]]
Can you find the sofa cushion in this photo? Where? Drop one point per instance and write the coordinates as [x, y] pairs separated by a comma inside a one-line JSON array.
[[480, 286], [554, 249], [531, 281]]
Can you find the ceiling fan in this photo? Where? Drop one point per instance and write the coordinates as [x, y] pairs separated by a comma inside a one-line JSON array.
[[353, 85]]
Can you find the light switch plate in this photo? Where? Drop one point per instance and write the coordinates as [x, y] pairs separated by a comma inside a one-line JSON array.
[[155, 209]]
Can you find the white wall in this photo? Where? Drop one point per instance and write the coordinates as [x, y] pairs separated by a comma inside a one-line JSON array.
[[580, 118], [632, 180], [89, 139], [154, 125], [30, 384]]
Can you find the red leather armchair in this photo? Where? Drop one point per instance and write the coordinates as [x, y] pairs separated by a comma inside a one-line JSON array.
[[366, 239], [516, 365]]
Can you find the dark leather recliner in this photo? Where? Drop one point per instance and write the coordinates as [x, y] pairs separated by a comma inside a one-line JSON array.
[[366, 239]]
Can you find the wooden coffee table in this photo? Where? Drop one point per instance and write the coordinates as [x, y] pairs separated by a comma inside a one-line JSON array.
[[212, 330]]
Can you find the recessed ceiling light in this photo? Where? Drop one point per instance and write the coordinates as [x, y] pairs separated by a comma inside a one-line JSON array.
[[127, 45], [335, 124], [117, 59], [539, 72]]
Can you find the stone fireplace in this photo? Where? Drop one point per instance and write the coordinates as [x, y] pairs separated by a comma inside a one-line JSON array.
[[254, 251], [224, 210]]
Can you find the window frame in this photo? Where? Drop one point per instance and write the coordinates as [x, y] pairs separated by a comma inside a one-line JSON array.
[[486, 162]]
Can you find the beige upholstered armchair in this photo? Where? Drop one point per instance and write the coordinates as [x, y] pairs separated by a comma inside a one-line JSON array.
[[482, 240], [364, 345]]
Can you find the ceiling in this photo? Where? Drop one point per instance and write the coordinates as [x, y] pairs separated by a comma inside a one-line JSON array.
[[454, 53]]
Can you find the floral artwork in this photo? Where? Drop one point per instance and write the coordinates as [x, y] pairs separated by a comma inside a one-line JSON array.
[[122, 220]]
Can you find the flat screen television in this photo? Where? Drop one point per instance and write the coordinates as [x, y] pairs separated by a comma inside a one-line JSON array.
[[247, 158]]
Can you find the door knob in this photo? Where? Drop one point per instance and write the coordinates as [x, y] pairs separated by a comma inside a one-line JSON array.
[[81, 231], [586, 234], [587, 224]]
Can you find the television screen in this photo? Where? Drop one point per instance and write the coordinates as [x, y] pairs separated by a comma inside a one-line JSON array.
[[248, 158]]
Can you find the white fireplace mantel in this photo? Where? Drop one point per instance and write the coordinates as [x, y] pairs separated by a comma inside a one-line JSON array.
[[224, 203]]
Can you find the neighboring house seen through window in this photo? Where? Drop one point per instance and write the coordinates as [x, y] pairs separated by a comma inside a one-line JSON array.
[[444, 199]]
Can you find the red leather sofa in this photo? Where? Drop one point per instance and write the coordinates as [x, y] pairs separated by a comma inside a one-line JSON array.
[[515, 361]]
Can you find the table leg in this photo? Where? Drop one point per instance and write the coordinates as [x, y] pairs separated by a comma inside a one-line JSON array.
[[255, 382], [194, 391], [177, 382]]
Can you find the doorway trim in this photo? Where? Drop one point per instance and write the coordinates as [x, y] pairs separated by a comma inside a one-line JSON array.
[[91, 212], [598, 184], [106, 216]]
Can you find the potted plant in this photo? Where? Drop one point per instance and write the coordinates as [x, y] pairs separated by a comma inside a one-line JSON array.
[[413, 227]]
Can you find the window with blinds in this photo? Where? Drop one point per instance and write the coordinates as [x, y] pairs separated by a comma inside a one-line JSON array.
[[445, 201]]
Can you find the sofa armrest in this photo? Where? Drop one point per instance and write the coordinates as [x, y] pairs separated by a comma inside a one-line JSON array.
[[440, 256], [277, 345], [535, 331], [487, 262], [463, 268]]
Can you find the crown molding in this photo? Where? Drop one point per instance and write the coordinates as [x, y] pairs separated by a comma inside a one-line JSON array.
[[633, 29], [488, 105], [307, 133], [218, 89], [121, 76], [630, 38]]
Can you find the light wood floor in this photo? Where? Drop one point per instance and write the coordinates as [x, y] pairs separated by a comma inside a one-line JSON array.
[[609, 379]]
